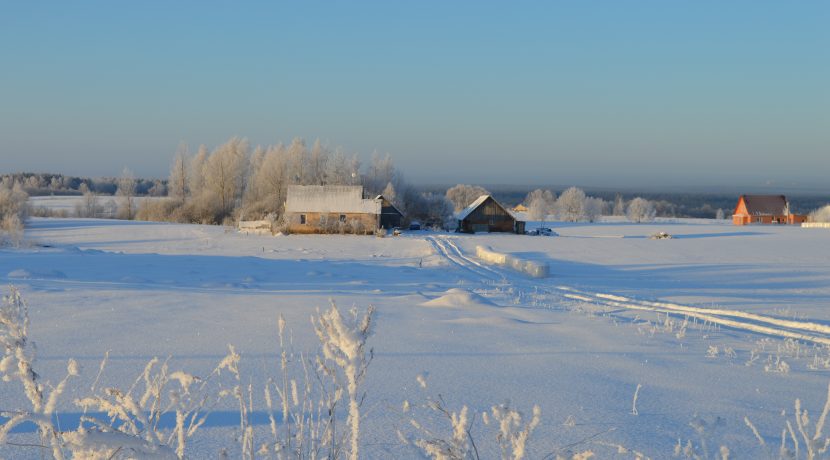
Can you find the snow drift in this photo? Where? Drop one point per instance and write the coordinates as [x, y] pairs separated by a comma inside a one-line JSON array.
[[533, 268]]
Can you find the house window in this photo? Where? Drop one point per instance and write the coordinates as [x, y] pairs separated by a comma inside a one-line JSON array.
[[342, 218], [302, 219]]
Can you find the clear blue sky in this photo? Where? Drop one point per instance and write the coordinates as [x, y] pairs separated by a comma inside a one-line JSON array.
[[565, 92]]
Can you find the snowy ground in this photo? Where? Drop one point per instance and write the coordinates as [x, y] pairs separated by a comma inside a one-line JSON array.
[[578, 343], [70, 203]]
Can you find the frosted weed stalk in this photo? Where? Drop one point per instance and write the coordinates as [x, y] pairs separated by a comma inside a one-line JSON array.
[[16, 364], [511, 436]]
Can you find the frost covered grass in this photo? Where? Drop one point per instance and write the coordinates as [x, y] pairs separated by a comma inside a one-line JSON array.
[[132, 425]]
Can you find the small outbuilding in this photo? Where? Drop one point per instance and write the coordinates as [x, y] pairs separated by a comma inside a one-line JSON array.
[[486, 215], [764, 209], [520, 208], [390, 216]]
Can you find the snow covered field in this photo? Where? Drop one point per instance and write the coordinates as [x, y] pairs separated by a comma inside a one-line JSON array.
[[701, 321], [70, 203]]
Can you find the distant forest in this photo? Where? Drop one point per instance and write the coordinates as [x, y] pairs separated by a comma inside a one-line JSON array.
[[666, 204], [45, 184]]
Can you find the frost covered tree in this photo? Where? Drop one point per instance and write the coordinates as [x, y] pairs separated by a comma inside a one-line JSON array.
[[390, 194], [225, 173], [90, 205], [719, 214], [820, 215], [540, 204], [570, 206], [593, 208], [297, 162], [381, 171], [438, 210], [619, 206], [13, 210], [462, 195], [126, 195], [318, 164], [177, 183], [640, 210]]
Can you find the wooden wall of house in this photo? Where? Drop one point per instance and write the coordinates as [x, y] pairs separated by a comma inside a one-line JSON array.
[[316, 222], [491, 215]]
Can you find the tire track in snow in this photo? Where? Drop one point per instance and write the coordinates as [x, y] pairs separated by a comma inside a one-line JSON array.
[[457, 258], [801, 330], [735, 319]]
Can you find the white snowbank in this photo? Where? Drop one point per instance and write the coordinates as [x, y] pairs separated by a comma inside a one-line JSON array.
[[533, 268], [815, 224], [455, 298]]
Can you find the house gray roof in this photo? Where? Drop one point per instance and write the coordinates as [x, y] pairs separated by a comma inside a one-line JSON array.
[[330, 199], [766, 205]]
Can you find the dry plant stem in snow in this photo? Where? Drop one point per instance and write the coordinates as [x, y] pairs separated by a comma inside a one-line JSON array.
[[511, 437], [344, 341], [16, 364]]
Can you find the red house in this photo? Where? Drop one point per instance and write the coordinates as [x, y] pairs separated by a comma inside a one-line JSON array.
[[764, 209]]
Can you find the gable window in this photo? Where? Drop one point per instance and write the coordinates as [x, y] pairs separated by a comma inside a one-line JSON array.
[[342, 218], [302, 219]]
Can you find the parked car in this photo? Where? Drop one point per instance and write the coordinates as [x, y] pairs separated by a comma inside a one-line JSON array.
[[543, 231], [415, 225]]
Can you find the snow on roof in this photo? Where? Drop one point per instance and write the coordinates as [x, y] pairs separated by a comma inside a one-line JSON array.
[[330, 199], [464, 213]]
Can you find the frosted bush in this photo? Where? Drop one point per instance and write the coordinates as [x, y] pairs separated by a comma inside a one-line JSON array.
[[820, 215], [509, 430], [13, 212]]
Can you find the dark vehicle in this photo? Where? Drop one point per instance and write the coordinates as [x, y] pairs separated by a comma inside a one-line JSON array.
[[415, 226], [543, 231]]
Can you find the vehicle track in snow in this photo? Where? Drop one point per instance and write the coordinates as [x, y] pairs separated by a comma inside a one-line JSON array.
[[446, 248], [808, 331]]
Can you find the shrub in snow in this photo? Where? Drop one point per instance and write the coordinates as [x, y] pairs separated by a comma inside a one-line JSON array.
[[661, 236], [820, 215]]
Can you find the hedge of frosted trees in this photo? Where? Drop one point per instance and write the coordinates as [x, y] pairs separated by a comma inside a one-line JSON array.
[[234, 181]]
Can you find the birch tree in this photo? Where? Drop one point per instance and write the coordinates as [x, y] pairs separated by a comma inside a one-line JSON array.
[[177, 184], [570, 206], [225, 173], [640, 210], [540, 204], [126, 195], [462, 195]]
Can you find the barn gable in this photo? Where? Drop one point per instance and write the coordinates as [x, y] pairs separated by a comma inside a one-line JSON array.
[[390, 215], [485, 214]]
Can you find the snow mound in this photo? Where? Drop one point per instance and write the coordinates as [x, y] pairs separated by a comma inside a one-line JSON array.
[[21, 273], [459, 298]]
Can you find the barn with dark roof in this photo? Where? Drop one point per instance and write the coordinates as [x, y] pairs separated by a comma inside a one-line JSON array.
[[486, 215], [764, 209]]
